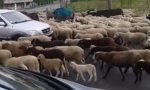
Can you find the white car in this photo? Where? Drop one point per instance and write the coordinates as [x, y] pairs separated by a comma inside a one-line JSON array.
[[14, 24]]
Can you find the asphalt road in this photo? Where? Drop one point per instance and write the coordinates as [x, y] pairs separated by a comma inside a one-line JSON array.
[[113, 80]]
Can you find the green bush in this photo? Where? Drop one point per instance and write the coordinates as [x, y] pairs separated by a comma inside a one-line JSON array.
[[43, 2], [140, 6], [1, 3]]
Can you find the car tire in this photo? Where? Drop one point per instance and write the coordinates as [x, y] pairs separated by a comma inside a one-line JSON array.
[[15, 37]]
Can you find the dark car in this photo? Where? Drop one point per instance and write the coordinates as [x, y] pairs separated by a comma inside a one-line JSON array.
[[17, 79]]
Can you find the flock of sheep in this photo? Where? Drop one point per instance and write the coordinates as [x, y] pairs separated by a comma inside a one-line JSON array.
[[120, 41]]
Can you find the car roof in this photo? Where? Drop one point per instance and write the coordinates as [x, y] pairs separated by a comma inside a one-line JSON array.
[[5, 11]]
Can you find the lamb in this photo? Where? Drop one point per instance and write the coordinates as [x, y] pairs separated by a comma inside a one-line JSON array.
[[4, 55], [92, 36], [47, 44], [27, 62], [51, 64], [71, 53], [80, 69], [39, 37]]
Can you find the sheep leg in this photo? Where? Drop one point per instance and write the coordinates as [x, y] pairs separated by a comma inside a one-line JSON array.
[[77, 76], [123, 77], [58, 72], [102, 64], [109, 67], [140, 76], [65, 64], [136, 74], [82, 77], [91, 76], [87, 56], [126, 70], [50, 73]]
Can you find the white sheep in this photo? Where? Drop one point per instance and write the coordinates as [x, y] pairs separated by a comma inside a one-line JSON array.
[[27, 62], [52, 64], [4, 55], [84, 68], [133, 38]]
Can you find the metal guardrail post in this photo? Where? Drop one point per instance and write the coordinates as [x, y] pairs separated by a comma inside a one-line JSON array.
[[109, 4]]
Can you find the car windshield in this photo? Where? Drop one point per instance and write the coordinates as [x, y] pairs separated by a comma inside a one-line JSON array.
[[15, 17]]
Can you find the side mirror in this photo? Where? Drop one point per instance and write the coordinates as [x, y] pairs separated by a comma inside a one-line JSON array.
[[2, 24]]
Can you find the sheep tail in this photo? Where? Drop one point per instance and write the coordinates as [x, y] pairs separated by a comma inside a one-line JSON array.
[[94, 73]]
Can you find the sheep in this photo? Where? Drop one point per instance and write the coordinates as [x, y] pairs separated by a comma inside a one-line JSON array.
[[39, 37], [27, 62], [97, 30], [106, 13], [119, 59], [51, 64], [51, 54], [72, 42], [74, 53], [106, 41], [62, 33], [80, 69], [92, 50], [16, 48], [4, 55], [92, 36], [144, 29], [132, 38], [46, 44]]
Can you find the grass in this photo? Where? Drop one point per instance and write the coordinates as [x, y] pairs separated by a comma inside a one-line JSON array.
[[140, 6]]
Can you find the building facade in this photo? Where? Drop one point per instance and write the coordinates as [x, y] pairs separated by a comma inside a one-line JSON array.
[[17, 4]]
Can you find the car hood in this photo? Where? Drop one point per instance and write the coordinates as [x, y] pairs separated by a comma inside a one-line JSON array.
[[76, 86], [31, 25]]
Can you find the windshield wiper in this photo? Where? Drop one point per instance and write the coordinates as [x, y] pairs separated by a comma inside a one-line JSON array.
[[20, 21]]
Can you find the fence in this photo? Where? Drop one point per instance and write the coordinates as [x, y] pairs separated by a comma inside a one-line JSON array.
[[140, 6]]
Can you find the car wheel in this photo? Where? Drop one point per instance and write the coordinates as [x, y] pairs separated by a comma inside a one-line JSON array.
[[15, 37]]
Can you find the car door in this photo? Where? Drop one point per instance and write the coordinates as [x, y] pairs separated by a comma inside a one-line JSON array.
[[5, 32]]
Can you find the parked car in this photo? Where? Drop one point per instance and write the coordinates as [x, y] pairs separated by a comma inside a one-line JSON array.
[[14, 24], [17, 79]]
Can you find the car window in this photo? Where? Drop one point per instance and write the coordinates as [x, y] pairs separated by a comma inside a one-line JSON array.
[[15, 17]]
